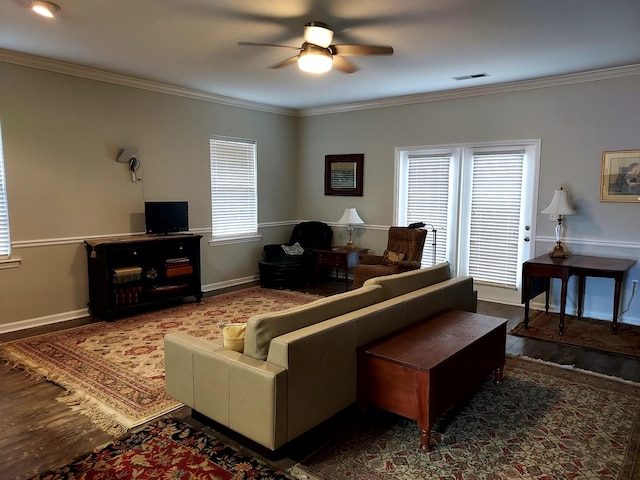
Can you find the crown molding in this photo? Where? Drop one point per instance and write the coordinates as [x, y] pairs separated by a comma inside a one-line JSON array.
[[582, 77], [66, 68]]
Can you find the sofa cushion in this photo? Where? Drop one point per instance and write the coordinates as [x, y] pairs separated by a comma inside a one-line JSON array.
[[401, 283], [262, 328]]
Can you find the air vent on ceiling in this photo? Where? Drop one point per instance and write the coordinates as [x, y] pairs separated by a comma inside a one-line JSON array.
[[469, 77]]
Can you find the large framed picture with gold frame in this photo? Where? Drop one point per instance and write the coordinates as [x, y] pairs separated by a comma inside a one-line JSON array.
[[620, 180]]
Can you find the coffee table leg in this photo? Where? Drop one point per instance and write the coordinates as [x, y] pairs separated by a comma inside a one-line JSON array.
[[498, 375], [425, 439]]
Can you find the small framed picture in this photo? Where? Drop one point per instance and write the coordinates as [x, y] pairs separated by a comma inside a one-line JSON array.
[[343, 174], [620, 180]]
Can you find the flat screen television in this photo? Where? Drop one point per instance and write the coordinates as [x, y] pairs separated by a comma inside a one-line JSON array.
[[162, 218]]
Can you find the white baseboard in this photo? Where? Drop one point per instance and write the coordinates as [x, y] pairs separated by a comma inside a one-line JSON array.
[[75, 314]]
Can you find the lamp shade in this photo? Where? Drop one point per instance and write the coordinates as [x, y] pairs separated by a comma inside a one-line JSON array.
[[350, 217], [313, 59], [318, 34], [559, 204]]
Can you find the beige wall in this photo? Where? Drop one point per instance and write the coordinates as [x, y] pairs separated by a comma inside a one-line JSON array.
[[576, 123], [61, 135]]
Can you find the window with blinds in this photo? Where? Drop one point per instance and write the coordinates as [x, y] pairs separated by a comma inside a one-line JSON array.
[[494, 222], [427, 200], [234, 192], [5, 239], [479, 198]]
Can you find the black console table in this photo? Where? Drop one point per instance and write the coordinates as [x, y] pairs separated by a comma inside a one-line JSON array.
[[128, 273]]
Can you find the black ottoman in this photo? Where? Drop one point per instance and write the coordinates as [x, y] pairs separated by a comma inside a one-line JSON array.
[[283, 272]]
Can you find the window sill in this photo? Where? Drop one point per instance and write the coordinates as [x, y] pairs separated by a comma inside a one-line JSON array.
[[215, 242], [10, 263]]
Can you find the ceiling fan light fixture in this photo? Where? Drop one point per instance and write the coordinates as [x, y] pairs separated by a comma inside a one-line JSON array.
[[315, 60], [318, 33], [46, 9]]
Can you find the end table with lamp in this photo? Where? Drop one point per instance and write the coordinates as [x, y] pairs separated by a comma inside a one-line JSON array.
[[346, 257], [339, 259]]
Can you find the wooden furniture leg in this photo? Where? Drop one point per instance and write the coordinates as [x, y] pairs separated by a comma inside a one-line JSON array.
[[616, 303], [547, 288], [581, 282], [527, 299], [563, 304]]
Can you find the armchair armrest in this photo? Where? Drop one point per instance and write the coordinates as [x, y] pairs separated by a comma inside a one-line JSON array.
[[369, 259], [273, 250], [408, 264]]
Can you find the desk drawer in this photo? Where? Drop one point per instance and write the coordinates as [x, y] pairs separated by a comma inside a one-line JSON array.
[[329, 259]]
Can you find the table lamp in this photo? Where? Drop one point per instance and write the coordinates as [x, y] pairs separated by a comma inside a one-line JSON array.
[[350, 217], [559, 207]]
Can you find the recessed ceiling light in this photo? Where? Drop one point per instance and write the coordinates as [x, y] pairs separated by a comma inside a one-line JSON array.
[[46, 9]]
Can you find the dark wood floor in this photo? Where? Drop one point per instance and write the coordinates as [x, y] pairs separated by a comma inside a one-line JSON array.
[[39, 433]]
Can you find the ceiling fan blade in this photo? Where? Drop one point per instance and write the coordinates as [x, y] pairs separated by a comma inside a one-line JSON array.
[[286, 62], [344, 65], [362, 49], [254, 44]]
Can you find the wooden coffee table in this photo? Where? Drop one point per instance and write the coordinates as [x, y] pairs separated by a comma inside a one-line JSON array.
[[422, 371]]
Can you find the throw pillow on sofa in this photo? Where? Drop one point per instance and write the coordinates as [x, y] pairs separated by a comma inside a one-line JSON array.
[[233, 336]]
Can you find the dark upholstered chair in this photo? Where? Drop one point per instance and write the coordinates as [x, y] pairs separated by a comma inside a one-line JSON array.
[[403, 253], [278, 269]]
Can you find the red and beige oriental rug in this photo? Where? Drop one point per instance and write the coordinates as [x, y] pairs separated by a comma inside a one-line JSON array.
[[166, 449], [114, 371], [544, 423]]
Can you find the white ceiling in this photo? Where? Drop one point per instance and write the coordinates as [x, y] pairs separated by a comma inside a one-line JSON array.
[[194, 43]]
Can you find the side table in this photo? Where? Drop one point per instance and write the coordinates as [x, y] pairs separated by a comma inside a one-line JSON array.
[[537, 272], [339, 258]]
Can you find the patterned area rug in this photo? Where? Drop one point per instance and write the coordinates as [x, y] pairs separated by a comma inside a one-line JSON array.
[[543, 423], [166, 449], [586, 332], [114, 371]]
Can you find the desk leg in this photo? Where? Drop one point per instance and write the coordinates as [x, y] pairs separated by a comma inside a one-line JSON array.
[[581, 281], [563, 303], [547, 287], [527, 298], [616, 303]]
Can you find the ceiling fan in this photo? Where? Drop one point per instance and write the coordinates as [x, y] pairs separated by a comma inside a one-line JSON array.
[[318, 55]]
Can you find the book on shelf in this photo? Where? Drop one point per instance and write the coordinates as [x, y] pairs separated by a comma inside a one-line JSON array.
[[176, 261], [127, 274], [177, 270]]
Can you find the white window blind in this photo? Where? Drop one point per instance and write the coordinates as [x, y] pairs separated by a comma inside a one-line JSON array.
[[496, 195], [5, 239], [428, 199], [234, 198]]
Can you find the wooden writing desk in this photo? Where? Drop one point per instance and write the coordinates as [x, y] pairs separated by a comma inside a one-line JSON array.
[[537, 272]]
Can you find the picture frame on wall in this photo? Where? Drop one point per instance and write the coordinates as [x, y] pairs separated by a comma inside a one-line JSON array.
[[344, 174], [620, 181]]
